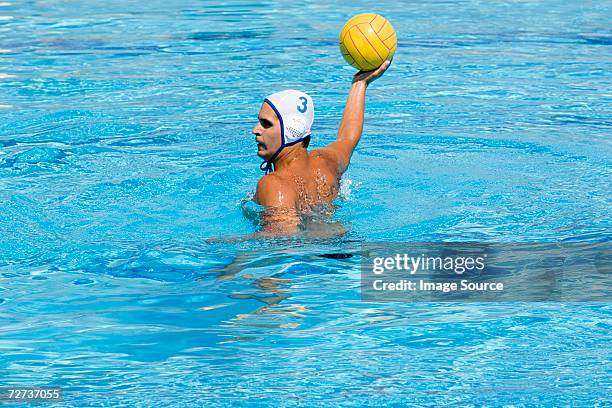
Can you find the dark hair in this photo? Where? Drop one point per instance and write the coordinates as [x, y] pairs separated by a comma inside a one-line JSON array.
[[306, 141]]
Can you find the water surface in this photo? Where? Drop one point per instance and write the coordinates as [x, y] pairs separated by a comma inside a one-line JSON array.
[[125, 144]]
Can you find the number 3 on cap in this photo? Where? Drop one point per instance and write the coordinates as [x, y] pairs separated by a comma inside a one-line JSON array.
[[302, 108]]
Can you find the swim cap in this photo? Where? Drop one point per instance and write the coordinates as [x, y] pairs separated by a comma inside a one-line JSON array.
[[295, 112]]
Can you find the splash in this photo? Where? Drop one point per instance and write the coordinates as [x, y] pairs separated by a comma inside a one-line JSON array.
[[345, 188]]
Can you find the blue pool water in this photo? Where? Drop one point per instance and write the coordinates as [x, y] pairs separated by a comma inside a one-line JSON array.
[[125, 144]]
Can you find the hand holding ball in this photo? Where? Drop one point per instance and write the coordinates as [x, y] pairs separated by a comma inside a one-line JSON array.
[[367, 40]]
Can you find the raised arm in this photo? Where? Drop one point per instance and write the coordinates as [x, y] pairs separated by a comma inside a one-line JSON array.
[[351, 125]]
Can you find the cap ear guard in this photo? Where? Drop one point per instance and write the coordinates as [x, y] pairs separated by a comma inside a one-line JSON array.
[[296, 129]]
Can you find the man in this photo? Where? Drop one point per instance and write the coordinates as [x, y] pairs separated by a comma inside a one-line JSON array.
[[297, 182]]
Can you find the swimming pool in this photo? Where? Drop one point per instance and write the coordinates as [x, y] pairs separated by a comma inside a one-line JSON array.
[[125, 144]]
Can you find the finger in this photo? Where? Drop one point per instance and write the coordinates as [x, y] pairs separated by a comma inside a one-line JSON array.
[[378, 72], [382, 68]]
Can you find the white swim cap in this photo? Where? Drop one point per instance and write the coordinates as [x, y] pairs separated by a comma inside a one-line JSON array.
[[295, 111]]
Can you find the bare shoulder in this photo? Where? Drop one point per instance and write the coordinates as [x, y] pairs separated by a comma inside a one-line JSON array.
[[327, 157], [274, 191]]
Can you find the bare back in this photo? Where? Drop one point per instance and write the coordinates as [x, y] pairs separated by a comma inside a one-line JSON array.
[[308, 183]]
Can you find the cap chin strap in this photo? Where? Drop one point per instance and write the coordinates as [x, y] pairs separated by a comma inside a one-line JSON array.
[[268, 165]]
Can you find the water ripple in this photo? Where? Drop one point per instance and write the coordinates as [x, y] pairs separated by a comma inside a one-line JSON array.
[[125, 145]]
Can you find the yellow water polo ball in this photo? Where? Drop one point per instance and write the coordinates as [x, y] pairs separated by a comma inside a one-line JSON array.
[[367, 40]]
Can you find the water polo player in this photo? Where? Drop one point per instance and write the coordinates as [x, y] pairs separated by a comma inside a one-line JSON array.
[[296, 181]]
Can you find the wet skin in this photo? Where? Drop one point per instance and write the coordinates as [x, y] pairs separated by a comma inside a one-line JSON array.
[[303, 181]]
